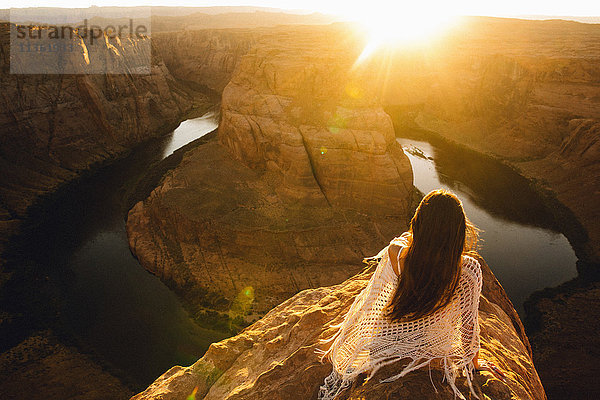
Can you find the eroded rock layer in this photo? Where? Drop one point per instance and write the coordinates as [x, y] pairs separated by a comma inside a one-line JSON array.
[[43, 367], [205, 57], [299, 105], [275, 357], [565, 341]]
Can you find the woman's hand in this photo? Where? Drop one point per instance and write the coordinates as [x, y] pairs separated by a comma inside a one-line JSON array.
[[484, 365]]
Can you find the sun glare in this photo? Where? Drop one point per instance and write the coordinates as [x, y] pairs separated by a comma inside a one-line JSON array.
[[401, 25]]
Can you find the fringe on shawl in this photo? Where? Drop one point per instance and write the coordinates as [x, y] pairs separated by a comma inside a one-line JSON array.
[[450, 374], [370, 261], [335, 383]]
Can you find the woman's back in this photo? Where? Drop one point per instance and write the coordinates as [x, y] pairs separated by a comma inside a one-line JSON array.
[[370, 339], [421, 337]]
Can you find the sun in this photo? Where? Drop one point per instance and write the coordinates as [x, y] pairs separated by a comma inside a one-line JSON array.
[[401, 25]]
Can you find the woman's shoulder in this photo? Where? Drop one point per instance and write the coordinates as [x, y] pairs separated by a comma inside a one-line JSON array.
[[471, 266], [401, 241], [471, 259]]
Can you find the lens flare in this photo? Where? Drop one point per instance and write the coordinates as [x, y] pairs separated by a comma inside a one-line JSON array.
[[336, 123], [192, 395], [354, 91], [401, 24], [242, 304]]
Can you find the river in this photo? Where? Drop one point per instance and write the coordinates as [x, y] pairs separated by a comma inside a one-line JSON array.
[[106, 302], [519, 238]]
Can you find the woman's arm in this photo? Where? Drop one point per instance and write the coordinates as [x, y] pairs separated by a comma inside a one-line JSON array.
[[488, 366], [397, 254], [393, 251]]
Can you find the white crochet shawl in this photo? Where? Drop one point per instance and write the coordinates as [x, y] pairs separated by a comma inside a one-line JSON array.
[[367, 340]]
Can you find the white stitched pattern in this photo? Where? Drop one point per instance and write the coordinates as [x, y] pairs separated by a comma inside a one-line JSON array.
[[368, 339]]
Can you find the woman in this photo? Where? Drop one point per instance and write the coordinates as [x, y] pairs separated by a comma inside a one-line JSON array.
[[419, 306]]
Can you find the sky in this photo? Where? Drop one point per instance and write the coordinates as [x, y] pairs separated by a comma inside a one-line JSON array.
[[354, 9]]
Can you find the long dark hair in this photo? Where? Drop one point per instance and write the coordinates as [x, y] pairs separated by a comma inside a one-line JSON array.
[[439, 234]]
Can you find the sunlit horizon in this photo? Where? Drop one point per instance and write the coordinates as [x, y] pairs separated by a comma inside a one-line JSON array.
[[386, 24], [508, 8]]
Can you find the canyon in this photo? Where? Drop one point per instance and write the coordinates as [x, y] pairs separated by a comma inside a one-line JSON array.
[[304, 178], [524, 92], [55, 127], [55, 130], [204, 58]]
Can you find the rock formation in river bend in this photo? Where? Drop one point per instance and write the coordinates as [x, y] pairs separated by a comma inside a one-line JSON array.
[[274, 358], [304, 180], [298, 106]]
